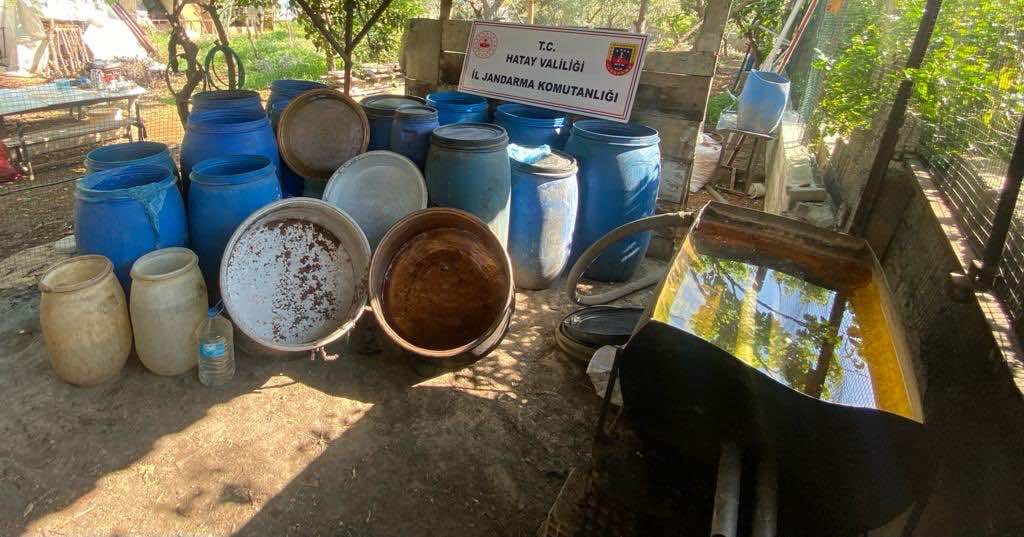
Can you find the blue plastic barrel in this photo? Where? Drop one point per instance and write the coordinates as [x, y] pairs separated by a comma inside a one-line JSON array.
[[127, 154], [283, 91], [529, 125], [225, 191], [620, 169], [545, 198], [458, 107], [762, 102], [242, 100], [218, 133], [468, 168], [124, 213], [380, 113], [410, 132]]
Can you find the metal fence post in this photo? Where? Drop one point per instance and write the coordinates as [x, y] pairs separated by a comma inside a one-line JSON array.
[[983, 272]]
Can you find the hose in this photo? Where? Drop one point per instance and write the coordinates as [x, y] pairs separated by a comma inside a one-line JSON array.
[[651, 223], [208, 82]]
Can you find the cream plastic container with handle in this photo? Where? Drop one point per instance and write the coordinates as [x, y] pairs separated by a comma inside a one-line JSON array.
[[84, 318], [168, 302]]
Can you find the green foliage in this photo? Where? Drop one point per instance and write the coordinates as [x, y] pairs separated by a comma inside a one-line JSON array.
[[968, 92], [759, 19], [849, 106], [382, 43], [718, 103], [281, 53]]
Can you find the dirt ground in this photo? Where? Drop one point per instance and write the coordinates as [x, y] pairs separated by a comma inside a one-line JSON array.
[[359, 446]]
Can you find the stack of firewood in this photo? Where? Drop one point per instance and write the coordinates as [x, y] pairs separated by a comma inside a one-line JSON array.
[[66, 49]]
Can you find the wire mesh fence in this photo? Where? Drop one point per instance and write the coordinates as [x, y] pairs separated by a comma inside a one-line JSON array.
[[967, 103], [47, 129]]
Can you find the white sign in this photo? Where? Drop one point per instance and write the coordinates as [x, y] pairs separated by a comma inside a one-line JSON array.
[[587, 72]]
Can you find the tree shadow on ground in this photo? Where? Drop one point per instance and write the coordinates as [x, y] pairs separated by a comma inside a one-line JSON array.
[[479, 450]]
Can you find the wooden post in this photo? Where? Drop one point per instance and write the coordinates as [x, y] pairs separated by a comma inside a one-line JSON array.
[[446, 10], [529, 9]]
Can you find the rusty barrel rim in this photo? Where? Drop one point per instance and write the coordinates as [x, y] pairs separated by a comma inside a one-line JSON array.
[[308, 170], [359, 297], [379, 268]]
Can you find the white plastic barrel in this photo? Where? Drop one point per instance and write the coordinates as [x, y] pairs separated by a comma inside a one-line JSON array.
[[84, 319], [168, 301]]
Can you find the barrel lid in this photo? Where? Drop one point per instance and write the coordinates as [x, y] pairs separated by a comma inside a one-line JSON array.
[[385, 105], [556, 162], [320, 130], [602, 325], [613, 132], [469, 135], [417, 112]]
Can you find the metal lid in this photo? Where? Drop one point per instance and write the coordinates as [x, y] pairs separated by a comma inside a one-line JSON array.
[[417, 112], [320, 130], [602, 325], [470, 136], [385, 105], [377, 189], [557, 163]]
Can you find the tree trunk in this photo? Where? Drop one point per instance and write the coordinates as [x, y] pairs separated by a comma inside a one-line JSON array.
[[641, 17], [350, 7]]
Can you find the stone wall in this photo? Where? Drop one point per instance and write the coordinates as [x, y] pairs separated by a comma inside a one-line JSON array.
[[972, 402]]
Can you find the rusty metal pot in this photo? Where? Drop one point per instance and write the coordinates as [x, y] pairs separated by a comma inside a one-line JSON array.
[[292, 275], [441, 286]]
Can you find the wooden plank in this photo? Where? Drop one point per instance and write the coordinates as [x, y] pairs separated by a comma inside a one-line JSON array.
[[678, 135], [681, 63], [455, 35], [451, 67], [422, 44], [716, 15], [680, 95]]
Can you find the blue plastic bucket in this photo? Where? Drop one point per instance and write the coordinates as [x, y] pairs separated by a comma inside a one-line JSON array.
[[241, 100], [410, 132], [529, 125], [225, 191], [620, 169], [545, 199], [458, 107], [218, 133], [380, 113], [127, 154], [762, 102], [124, 213], [468, 168]]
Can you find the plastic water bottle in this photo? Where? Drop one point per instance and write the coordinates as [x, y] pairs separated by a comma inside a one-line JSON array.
[[216, 349]]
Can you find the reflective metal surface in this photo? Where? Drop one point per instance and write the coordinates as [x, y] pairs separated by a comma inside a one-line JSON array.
[[816, 321]]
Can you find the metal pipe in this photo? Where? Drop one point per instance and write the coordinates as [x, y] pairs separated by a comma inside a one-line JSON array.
[[766, 497], [766, 65], [726, 516], [983, 274]]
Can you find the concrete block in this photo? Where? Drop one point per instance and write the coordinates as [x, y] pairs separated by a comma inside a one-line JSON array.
[[806, 192], [822, 215]]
